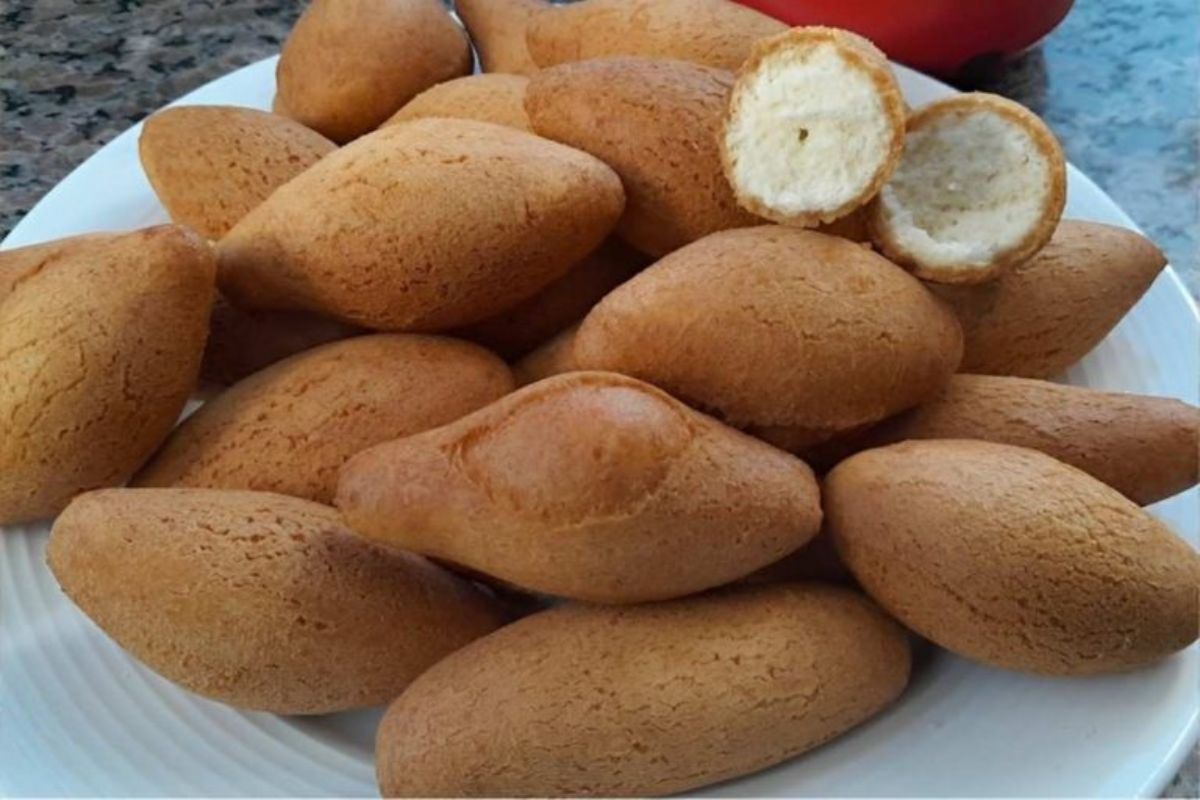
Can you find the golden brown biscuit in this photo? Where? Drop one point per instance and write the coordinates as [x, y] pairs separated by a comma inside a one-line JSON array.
[[1042, 316], [1147, 448], [209, 165], [257, 600], [793, 335], [656, 123], [643, 701], [1009, 557], [497, 29], [716, 33], [291, 427], [590, 485], [809, 98], [100, 344], [24, 262], [426, 226], [348, 65], [980, 187], [488, 98], [531, 323], [243, 342]]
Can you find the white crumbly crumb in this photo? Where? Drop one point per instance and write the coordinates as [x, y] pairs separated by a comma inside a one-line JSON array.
[[967, 188], [810, 134]]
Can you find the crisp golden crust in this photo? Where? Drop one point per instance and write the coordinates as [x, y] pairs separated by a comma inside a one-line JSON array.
[[291, 427], [1043, 315], [260, 601], [491, 97], [743, 324], [679, 694], [1054, 193], [655, 122], [1147, 448], [531, 323], [348, 65], [497, 28], [1006, 556], [100, 344], [24, 262], [586, 485], [858, 54], [426, 226], [715, 33], [210, 165]]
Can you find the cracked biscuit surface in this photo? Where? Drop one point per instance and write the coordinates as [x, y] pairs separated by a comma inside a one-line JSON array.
[[655, 122], [793, 335], [425, 226], [210, 165], [488, 97], [643, 700], [715, 33], [1147, 448], [348, 65], [258, 600], [290, 427], [1006, 556], [1043, 315], [100, 344]]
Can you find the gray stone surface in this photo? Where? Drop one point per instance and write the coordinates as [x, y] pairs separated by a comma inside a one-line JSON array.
[[1119, 82]]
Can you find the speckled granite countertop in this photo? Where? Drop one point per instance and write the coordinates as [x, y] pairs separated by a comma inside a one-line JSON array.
[[1119, 82]]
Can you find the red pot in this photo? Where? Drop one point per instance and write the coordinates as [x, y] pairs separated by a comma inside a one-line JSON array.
[[938, 36]]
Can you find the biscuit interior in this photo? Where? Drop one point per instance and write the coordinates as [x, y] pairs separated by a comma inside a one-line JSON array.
[[808, 133], [970, 187]]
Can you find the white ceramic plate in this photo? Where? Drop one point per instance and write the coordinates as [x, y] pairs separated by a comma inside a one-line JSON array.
[[79, 717]]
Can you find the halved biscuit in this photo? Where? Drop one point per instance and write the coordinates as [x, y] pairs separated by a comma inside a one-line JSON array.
[[815, 126], [981, 186]]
